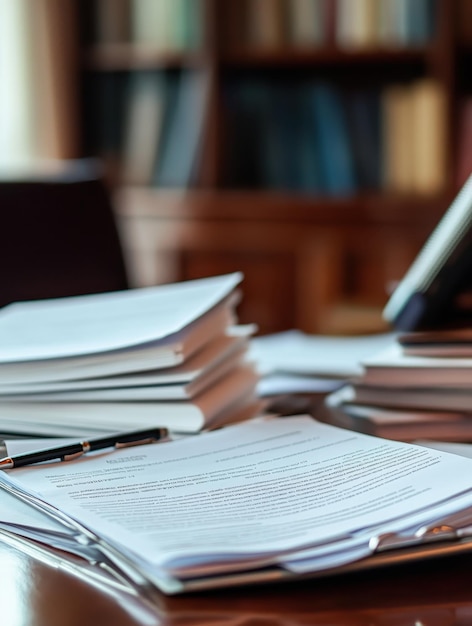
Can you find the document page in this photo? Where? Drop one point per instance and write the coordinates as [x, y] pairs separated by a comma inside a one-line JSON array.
[[259, 489], [90, 324], [295, 352]]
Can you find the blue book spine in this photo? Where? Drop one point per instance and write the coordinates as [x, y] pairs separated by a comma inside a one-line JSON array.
[[363, 112], [330, 126]]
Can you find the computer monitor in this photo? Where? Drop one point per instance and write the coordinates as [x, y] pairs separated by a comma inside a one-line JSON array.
[[435, 290]]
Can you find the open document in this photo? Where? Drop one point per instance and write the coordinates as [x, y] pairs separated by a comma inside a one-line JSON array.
[[291, 494]]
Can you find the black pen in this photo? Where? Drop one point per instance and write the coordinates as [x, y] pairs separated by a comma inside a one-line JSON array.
[[74, 450]]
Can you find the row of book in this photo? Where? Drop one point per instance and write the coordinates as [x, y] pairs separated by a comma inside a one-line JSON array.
[[310, 137], [164, 25], [150, 124], [170, 356], [305, 136], [318, 138], [360, 24], [418, 387], [176, 25]]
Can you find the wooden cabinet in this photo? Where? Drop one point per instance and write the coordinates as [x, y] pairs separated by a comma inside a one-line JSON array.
[[320, 266], [316, 257]]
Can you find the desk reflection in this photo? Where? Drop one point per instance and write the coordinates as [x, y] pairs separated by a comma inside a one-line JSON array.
[[34, 592]]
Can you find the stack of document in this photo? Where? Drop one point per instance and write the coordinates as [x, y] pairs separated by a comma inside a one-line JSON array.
[[170, 356], [294, 362], [264, 500], [418, 387]]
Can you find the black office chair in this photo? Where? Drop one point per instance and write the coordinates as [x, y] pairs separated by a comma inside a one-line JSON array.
[[58, 235]]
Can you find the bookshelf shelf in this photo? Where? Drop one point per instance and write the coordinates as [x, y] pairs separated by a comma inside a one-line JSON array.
[[373, 209], [132, 57], [327, 55], [306, 247]]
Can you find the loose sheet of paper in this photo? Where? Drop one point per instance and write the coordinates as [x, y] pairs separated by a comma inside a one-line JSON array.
[[294, 352], [255, 489]]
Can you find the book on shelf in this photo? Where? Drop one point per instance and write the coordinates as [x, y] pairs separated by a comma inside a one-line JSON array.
[[414, 137], [269, 499], [331, 133], [464, 140], [108, 99], [383, 23], [291, 157], [166, 25], [316, 137], [429, 117], [271, 24], [111, 21], [307, 23], [388, 23], [397, 138], [169, 353], [246, 110], [281, 151], [421, 19], [364, 126], [265, 23], [184, 122], [191, 28], [146, 104], [357, 23]]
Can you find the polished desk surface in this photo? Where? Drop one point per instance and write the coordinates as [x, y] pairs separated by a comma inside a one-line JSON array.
[[434, 593]]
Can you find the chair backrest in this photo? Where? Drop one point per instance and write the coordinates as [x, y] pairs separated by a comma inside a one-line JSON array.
[[58, 236]]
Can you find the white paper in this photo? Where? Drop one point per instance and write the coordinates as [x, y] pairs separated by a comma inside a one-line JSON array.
[[24, 520], [165, 353], [276, 384], [211, 355], [21, 446], [462, 449], [89, 324], [298, 353], [252, 490]]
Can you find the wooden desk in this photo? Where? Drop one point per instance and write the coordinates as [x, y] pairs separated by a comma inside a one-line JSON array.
[[33, 593]]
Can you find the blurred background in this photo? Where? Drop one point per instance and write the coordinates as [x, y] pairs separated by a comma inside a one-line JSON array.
[[311, 144]]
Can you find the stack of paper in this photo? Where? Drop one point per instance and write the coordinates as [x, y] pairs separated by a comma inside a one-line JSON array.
[[169, 356], [418, 387], [265, 500], [295, 362]]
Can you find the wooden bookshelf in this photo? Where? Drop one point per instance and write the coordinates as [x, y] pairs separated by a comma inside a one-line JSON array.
[[314, 259]]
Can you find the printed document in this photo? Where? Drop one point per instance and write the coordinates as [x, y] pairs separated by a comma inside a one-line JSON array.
[[97, 323], [253, 493]]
